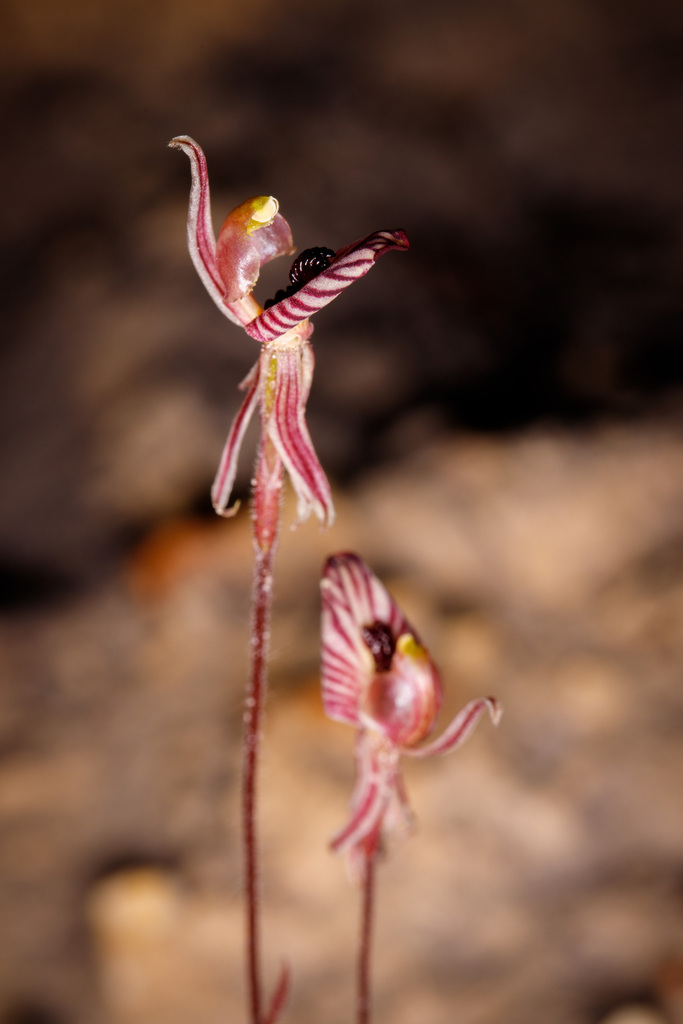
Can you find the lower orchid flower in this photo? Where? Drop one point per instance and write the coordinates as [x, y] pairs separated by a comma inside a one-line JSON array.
[[254, 233], [378, 677]]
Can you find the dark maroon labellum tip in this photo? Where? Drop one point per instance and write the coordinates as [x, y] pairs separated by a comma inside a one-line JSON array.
[[309, 264], [380, 642], [305, 267]]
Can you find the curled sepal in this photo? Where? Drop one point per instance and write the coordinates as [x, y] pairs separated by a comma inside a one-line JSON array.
[[287, 375], [352, 599], [201, 241], [349, 264], [250, 236], [460, 728], [225, 477]]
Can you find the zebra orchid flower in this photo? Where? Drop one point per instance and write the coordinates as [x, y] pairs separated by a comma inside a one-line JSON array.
[[279, 383], [378, 677]]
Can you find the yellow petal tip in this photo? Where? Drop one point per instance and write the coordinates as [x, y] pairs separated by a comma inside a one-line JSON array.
[[409, 647], [262, 212]]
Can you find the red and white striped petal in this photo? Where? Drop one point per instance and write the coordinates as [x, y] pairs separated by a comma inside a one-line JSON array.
[[352, 597], [285, 423], [225, 477], [201, 240], [370, 797], [460, 728], [348, 265]]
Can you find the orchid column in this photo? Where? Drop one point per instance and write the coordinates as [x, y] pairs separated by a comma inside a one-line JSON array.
[[278, 385]]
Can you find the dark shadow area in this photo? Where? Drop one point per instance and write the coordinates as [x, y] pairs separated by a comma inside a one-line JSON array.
[[30, 1014]]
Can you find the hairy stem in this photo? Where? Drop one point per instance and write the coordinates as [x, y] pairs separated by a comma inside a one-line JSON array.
[[368, 900], [252, 729], [266, 517]]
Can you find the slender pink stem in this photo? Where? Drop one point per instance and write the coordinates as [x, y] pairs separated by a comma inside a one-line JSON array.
[[367, 913], [252, 729], [266, 518]]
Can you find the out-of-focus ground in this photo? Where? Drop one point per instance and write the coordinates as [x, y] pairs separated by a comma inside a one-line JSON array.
[[499, 411]]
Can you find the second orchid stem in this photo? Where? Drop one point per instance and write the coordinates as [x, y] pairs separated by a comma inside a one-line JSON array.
[[367, 914]]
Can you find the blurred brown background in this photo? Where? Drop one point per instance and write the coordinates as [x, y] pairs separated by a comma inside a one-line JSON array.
[[499, 411]]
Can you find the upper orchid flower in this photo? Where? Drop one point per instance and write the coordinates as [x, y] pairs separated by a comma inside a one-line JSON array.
[[281, 379], [377, 677]]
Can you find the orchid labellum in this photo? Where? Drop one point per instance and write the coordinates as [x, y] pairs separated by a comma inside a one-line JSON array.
[[280, 381], [378, 677]]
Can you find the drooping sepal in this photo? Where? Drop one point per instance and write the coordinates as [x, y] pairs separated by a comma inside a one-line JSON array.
[[287, 381], [369, 799], [253, 233], [349, 264], [352, 599], [225, 477], [378, 803]]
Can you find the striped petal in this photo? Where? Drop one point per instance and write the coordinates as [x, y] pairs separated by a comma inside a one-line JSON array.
[[348, 265], [460, 728], [352, 598], [285, 424], [369, 800], [225, 477], [201, 240]]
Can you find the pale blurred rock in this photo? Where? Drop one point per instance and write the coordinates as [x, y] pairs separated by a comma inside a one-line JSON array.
[[157, 946], [634, 1015], [539, 520]]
